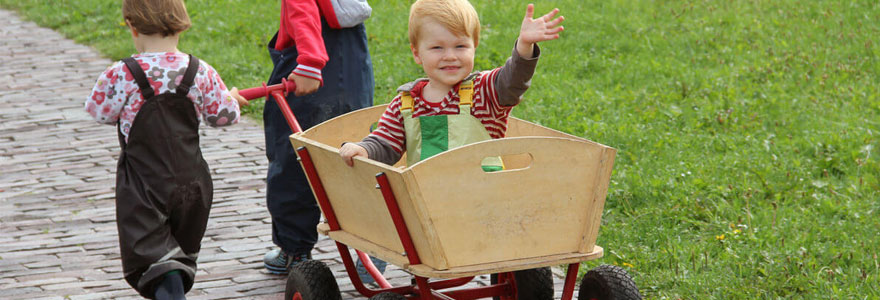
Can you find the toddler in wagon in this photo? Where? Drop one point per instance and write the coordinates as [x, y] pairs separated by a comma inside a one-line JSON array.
[[453, 106]]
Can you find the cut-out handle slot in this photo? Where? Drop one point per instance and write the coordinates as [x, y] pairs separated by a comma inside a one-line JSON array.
[[511, 162]]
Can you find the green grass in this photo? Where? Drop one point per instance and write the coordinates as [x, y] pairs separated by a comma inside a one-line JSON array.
[[747, 131]]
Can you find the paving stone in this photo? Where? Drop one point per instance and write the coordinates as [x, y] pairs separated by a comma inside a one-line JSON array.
[[18, 293]]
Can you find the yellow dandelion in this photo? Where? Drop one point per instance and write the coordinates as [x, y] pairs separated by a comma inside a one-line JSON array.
[[719, 237], [736, 231], [628, 265]]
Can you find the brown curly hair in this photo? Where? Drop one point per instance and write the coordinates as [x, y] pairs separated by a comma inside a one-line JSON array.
[[165, 17]]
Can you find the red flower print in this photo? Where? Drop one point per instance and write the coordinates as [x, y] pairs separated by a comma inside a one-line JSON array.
[[113, 77], [128, 76], [105, 109], [99, 97], [130, 88], [156, 85], [90, 107], [169, 61], [144, 66], [219, 80], [212, 108], [208, 89], [136, 104]]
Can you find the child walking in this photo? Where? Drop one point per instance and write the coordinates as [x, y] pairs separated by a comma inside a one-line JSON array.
[[452, 107], [163, 185]]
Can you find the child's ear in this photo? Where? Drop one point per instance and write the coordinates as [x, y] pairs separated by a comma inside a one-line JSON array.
[[134, 32], [415, 52]]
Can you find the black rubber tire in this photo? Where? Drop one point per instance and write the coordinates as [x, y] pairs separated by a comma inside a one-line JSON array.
[[532, 284], [388, 296], [608, 282], [313, 280]]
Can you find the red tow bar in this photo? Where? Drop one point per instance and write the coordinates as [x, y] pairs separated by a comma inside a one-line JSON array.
[[277, 91]]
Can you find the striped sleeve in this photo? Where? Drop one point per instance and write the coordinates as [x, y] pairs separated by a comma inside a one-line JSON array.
[[390, 127], [486, 107], [488, 80], [310, 72]]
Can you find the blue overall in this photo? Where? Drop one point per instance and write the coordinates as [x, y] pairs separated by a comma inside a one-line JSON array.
[[348, 86]]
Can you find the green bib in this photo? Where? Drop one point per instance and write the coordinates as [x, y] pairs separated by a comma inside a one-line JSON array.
[[429, 135]]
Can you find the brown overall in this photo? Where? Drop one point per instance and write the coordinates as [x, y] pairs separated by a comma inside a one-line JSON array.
[[163, 186]]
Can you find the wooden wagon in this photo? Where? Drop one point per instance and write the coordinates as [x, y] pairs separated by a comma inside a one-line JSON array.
[[445, 218]]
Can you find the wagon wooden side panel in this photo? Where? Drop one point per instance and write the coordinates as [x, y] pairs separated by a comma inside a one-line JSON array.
[[544, 207]]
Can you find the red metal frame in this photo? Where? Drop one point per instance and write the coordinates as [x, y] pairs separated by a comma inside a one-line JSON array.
[[397, 217], [570, 278], [374, 272], [423, 289], [285, 110]]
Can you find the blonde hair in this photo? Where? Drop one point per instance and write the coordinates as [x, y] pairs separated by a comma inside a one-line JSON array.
[[457, 16], [165, 17]]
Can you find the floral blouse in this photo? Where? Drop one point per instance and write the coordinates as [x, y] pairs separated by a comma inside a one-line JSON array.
[[116, 97]]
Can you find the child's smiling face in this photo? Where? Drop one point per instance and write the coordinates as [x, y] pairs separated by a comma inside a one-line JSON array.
[[447, 58]]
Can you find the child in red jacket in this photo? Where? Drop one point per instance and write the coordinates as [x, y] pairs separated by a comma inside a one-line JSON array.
[[322, 47]]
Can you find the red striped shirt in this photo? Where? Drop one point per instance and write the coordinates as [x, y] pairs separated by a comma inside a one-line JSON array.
[[485, 107]]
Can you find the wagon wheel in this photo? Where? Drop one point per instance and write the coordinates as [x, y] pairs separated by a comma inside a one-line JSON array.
[[311, 280], [388, 296], [607, 282], [532, 284]]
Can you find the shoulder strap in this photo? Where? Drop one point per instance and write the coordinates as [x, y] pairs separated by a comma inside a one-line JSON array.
[[406, 101], [466, 92], [140, 77], [189, 76]]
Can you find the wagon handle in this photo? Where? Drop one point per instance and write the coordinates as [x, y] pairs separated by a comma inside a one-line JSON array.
[[263, 91], [277, 91]]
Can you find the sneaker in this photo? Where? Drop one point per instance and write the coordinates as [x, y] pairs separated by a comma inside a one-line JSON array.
[[294, 259], [362, 270], [279, 262]]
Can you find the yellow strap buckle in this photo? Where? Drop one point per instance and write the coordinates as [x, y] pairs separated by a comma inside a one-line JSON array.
[[406, 101], [466, 92]]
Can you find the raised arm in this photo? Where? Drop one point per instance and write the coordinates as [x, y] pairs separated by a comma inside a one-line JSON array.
[[532, 31], [514, 77]]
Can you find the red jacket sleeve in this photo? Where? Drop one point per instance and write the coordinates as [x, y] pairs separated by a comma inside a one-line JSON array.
[[301, 27]]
